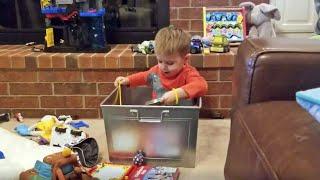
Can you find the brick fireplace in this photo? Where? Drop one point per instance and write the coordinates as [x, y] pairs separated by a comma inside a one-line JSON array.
[[37, 84]]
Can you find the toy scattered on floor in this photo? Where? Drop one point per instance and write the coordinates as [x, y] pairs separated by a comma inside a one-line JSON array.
[[129, 172], [65, 136], [146, 47], [139, 158], [62, 165], [1, 155], [43, 128], [155, 173], [18, 117], [4, 117], [110, 171], [23, 130], [67, 119], [54, 131], [79, 124], [260, 17], [88, 152], [74, 26]]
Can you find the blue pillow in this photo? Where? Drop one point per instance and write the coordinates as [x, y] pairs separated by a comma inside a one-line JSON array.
[[310, 101]]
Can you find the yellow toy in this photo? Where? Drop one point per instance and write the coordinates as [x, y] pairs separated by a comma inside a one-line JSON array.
[[45, 3], [43, 128]]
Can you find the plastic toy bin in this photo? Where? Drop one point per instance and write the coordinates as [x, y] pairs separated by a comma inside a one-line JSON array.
[[166, 134]]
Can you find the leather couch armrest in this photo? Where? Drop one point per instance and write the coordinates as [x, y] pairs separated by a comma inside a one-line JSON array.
[[274, 69]]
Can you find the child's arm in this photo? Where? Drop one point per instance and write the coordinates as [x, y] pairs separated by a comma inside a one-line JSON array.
[[133, 80], [138, 79], [196, 85]]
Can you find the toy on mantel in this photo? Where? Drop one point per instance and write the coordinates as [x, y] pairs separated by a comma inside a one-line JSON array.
[[259, 17], [74, 26], [218, 44], [196, 44], [146, 47]]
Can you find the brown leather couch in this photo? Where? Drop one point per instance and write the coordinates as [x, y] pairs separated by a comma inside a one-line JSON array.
[[271, 136]]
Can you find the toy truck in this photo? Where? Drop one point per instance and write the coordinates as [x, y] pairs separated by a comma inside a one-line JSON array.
[[74, 26], [220, 44], [195, 45]]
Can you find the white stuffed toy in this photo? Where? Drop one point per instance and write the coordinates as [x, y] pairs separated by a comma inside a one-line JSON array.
[[259, 18]]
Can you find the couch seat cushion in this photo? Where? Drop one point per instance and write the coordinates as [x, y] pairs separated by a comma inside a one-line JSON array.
[[285, 137]]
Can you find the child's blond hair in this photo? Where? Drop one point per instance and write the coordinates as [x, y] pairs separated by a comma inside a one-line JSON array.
[[171, 40]]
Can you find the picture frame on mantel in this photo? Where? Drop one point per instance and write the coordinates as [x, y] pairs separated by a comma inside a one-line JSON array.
[[229, 22]]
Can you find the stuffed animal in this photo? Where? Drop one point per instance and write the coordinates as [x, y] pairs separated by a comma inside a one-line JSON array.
[[259, 18]]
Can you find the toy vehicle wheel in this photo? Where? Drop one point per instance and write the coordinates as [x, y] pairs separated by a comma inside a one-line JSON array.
[[226, 49], [193, 50]]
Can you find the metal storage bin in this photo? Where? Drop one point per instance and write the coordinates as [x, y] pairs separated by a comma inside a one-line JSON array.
[[167, 134]]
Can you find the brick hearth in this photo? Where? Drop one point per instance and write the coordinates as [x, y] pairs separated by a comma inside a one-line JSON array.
[[37, 83]]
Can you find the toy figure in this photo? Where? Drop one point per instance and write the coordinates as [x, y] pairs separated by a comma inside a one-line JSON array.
[[44, 127], [259, 17], [196, 45], [139, 158], [62, 165], [4, 117], [220, 44], [146, 47]]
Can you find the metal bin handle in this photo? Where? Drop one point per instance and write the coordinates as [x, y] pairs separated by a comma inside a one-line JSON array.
[[135, 113]]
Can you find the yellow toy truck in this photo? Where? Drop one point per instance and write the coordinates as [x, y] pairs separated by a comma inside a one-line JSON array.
[[220, 44]]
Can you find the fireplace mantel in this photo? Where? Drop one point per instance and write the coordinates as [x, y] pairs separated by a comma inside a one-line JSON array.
[[38, 83]]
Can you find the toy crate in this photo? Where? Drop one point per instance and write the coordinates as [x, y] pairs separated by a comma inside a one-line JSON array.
[[167, 134]]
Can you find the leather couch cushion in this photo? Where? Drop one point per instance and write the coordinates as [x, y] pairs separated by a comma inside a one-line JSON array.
[[274, 69], [284, 137]]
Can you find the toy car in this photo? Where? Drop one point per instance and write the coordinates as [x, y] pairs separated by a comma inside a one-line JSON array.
[[220, 44], [196, 45]]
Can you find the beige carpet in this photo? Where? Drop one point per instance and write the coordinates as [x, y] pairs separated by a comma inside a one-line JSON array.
[[213, 139]]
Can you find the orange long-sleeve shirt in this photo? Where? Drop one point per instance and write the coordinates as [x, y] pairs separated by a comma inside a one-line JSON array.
[[188, 79]]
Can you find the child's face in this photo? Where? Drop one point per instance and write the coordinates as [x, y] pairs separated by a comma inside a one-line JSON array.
[[170, 65]]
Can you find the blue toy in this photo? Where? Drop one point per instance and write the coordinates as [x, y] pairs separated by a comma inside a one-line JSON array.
[[22, 130], [79, 124], [1, 155], [196, 45], [74, 26], [43, 169]]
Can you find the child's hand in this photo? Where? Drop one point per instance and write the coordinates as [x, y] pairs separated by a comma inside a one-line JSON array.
[[121, 80], [169, 98], [173, 96]]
